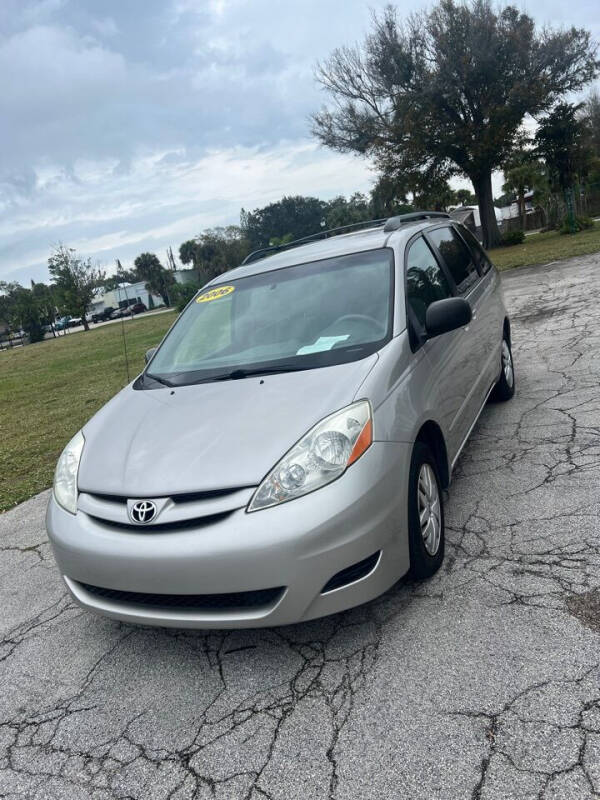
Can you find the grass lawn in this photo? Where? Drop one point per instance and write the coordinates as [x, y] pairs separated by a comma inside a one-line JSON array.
[[540, 248], [48, 390]]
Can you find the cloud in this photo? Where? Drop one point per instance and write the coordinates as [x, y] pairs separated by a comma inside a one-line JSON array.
[[135, 126], [161, 201], [106, 26]]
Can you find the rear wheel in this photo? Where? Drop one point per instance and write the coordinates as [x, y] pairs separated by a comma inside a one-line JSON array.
[[505, 388], [425, 514]]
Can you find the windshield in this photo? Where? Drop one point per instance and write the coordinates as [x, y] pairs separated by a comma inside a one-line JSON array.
[[310, 315]]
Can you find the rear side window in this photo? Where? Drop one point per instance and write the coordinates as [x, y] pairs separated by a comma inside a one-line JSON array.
[[425, 281], [457, 256], [479, 255]]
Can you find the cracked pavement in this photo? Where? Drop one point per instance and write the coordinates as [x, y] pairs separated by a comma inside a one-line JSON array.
[[483, 682]]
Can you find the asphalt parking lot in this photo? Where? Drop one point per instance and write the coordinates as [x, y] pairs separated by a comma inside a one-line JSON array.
[[482, 683]]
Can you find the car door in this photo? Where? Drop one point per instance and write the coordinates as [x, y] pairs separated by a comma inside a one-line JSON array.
[[447, 375], [468, 283], [491, 307]]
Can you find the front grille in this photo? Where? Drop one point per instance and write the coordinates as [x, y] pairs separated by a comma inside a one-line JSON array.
[[158, 527], [193, 602], [184, 497], [352, 573]]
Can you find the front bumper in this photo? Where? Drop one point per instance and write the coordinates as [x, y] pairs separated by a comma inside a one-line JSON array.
[[298, 545]]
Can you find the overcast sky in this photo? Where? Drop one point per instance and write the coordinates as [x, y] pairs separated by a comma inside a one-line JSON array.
[[132, 125]]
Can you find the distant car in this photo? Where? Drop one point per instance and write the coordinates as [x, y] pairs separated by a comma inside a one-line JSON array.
[[102, 316], [74, 322], [62, 324], [138, 308], [120, 312]]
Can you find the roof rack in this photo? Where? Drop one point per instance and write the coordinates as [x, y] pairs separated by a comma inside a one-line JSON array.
[[256, 254], [389, 224], [394, 223]]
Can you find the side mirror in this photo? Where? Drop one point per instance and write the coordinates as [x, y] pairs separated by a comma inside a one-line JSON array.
[[447, 315], [149, 354]]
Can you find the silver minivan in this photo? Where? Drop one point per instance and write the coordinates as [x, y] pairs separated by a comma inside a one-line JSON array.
[[284, 453]]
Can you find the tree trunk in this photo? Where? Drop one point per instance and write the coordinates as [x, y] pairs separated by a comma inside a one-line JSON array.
[[522, 212], [489, 227], [84, 321]]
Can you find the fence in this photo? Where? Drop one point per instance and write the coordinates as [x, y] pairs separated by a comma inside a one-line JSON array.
[[9, 340], [554, 209], [533, 221]]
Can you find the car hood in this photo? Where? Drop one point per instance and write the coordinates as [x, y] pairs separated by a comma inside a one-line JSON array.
[[226, 434]]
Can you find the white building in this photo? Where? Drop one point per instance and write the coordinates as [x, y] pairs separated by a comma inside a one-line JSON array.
[[124, 294]]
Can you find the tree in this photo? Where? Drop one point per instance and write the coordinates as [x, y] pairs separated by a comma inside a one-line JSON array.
[[188, 252], [449, 87], [171, 265], [121, 276], [339, 211], [523, 172], [298, 216], [562, 141], [220, 249], [465, 197], [46, 303], [76, 281], [19, 308], [591, 115], [158, 279], [214, 251], [430, 190], [182, 293], [388, 198]]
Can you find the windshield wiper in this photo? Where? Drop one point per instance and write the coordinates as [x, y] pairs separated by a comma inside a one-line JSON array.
[[158, 379], [241, 372]]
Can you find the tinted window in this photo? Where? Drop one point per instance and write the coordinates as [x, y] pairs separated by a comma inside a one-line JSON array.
[[425, 281], [479, 255], [457, 257]]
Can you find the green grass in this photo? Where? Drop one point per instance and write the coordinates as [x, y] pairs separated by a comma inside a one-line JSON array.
[[48, 390], [541, 248]]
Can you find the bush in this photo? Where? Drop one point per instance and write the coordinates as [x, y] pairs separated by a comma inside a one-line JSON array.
[[34, 330], [579, 224], [182, 293], [511, 238]]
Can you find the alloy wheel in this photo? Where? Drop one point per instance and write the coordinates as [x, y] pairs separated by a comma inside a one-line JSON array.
[[429, 506], [507, 364]]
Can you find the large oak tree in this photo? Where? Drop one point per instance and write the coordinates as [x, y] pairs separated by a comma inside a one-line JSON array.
[[449, 88]]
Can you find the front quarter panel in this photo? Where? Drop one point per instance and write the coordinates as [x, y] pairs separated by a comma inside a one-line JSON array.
[[402, 391]]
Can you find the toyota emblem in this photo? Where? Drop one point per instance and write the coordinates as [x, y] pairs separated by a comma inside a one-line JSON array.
[[142, 512]]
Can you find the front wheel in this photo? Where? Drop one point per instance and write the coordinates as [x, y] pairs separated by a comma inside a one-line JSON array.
[[425, 514], [505, 388]]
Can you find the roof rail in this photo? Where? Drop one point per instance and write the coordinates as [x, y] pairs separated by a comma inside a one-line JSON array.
[[394, 223], [276, 248], [389, 224]]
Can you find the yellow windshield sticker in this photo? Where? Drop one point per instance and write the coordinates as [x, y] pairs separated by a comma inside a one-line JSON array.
[[214, 294]]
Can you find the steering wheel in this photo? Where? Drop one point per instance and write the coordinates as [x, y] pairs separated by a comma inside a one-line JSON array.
[[374, 323]]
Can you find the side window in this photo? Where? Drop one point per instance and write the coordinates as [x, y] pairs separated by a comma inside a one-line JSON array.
[[479, 255], [457, 257], [425, 281]]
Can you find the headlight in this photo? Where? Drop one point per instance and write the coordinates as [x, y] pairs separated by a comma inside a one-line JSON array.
[[65, 475], [319, 457]]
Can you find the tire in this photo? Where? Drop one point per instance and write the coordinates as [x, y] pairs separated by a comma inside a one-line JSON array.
[[505, 387], [427, 541]]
